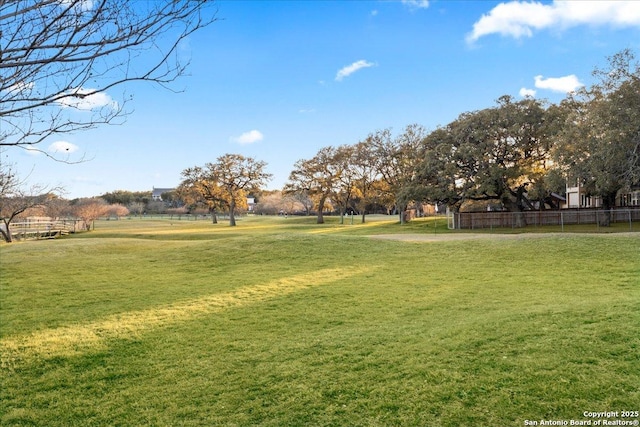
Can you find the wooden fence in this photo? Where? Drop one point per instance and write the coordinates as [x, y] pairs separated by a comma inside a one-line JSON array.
[[483, 220]]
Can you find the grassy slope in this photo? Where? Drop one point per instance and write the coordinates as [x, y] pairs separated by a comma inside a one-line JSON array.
[[281, 322]]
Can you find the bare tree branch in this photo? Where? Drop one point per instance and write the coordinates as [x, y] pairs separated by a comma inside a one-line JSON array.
[[16, 197], [58, 59]]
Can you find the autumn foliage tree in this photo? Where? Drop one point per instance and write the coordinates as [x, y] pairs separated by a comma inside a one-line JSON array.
[[344, 189], [316, 177], [225, 182], [365, 168], [200, 189], [397, 160]]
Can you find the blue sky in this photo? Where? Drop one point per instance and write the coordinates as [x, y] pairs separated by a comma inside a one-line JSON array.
[[279, 80]]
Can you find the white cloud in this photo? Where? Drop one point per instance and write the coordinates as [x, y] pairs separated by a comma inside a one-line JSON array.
[[416, 4], [85, 99], [520, 19], [374, 12], [62, 147], [350, 69], [21, 87], [558, 84], [249, 137], [524, 92], [83, 5]]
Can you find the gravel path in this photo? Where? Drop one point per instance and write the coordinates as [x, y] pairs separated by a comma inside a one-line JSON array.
[[475, 236]]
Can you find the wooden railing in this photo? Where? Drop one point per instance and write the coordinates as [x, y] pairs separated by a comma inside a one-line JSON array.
[[44, 229]]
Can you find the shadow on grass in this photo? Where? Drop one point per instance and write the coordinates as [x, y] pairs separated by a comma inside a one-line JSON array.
[[176, 236], [168, 230], [78, 339]]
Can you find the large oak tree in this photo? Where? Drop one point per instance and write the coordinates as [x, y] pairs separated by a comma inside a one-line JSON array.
[[600, 145], [396, 162], [317, 177], [498, 154], [227, 181]]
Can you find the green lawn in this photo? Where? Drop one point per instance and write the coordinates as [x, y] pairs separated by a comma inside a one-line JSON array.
[[281, 322]]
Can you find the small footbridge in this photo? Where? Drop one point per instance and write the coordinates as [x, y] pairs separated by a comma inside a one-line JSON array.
[[43, 229]]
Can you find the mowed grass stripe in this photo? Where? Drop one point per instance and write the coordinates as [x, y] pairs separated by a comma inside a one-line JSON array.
[[444, 332], [77, 339]]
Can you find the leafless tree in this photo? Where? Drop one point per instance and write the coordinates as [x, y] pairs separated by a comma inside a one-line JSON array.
[[301, 197], [90, 209], [136, 208], [58, 59], [17, 197], [117, 210]]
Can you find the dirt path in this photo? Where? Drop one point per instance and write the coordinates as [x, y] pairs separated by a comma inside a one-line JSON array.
[[446, 237]]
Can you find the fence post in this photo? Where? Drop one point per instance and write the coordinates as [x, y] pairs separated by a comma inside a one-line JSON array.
[[562, 221], [612, 215]]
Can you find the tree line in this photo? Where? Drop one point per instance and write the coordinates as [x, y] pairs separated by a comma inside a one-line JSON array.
[[60, 58], [516, 155]]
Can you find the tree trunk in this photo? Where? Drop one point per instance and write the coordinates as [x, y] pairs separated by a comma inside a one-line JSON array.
[[320, 209], [342, 211], [516, 210], [214, 216], [232, 214], [519, 220], [6, 233], [401, 212], [608, 203], [363, 215]]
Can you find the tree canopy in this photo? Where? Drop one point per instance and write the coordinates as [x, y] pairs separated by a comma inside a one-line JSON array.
[[317, 177], [599, 146], [224, 183], [515, 156]]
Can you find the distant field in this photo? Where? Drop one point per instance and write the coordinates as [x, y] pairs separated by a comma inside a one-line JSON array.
[[282, 322]]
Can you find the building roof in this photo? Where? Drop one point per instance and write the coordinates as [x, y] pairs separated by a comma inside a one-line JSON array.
[[156, 193]]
